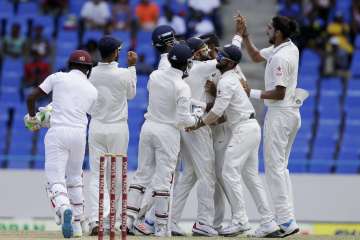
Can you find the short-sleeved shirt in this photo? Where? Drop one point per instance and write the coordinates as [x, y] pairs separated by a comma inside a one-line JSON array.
[[231, 99], [281, 70], [147, 13], [99, 13], [72, 98], [115, 86]]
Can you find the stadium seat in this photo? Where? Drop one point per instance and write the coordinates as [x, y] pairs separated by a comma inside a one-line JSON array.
[[148, 51], [355, 64], [297, 166], [132, 158], [348, 167], [321, 166], [140, 100], [6, 9], [92, 34], [142, 81], [28, 9], [357, 41], [348, 153], [19, 161]]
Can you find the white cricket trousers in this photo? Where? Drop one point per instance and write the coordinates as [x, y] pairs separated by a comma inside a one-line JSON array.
[[241, 160], [64, 156], [196, 151], [280, 128], [159, 148], [105, 138]]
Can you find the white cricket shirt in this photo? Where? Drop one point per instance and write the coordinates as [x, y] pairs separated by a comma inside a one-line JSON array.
[[281, 70], [231, 99], [198, 75], [73, 96], [164, 61], [115, 86], [169, 99]]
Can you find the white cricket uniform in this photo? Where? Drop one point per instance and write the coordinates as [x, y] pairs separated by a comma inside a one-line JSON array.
[[108, 131], [168, 112], [197, 153], [282, 122], [241, 154], [164, 62], [72, 98], [221, 134]]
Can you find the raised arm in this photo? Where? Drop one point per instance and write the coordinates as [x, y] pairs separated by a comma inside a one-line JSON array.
[[131, 84], [241, 29]]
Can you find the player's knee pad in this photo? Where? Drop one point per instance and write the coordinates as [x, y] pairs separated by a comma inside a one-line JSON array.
[[135, 196], [75, 193], [162, 199], [58, 195]]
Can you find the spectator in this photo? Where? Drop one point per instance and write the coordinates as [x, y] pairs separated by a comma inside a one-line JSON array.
[[200, 24], [54, 7], [339, 29], [35, 72], [39, 43], [356, 17], [14, 45], [336, 61], [176, 22], [95, 13], [290, 8], [92, 48], [147, 14], [121, 14], [320, 8], [210, 9], [142, 67]]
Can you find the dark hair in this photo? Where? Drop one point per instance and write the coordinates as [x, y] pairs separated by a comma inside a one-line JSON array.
[[288, 27]]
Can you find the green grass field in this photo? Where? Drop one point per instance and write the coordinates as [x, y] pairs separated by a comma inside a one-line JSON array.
[[57, 235]]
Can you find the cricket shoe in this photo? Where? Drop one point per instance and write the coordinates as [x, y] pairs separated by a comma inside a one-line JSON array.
[[141, 227], [94, 228], [289, 228], [77, 229], [200, 229], [234, 229], [161, 230], [267, 230], [176, 230], [66, 220]]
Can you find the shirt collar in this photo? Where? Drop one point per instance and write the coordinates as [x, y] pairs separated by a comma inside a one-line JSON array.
[[284, 44], [113, 63], [228, 73], [175, 72], [78, 72]]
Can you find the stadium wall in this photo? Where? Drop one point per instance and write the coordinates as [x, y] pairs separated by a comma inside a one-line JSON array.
[[318, 198]]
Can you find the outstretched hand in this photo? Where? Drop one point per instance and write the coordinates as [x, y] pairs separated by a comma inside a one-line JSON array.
[[240, 24]]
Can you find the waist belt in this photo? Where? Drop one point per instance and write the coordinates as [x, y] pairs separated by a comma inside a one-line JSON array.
[[252, 116]]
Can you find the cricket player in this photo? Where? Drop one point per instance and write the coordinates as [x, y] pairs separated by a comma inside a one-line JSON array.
[[108, 131], [163, 39], [168, 112], [282, 119], [241, 154], [73, 96], [197, 150]]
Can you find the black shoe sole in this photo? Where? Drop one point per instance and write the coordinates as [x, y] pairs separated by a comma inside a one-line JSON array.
[[293, 232], [95, 231], [232, 234], [176, 234]]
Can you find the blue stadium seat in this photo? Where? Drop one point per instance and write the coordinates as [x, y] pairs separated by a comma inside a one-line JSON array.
[[142, 81], [308, 109], [124, 36], [308, 82], [10, 95], [299, 152], [19, 161], [348, 153], [132, 158], [355, 64], [357, 41], [310, 58], [39, 162], [333, 84], [92, 34], [13, 65], [297, 166], [28, 9], [75, 6], [67, 36], [354, 84], [144, 36], [6, 9], [321, 166], [141, 99], [348, 167], [148, 51]]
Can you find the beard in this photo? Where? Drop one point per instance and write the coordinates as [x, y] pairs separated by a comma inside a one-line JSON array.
[[220, 67], [272, 40]]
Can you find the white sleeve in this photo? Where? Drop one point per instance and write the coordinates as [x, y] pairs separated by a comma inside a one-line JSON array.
[[131, 83], [279, 71], [184, 118], [223, 97], [48, 84], [266, 52], [237, 41]]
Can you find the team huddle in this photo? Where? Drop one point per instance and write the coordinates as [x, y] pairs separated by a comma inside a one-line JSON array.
[[199, 119]]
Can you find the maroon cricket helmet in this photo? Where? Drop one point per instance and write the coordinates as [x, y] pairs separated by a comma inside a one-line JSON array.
[[80, 57]]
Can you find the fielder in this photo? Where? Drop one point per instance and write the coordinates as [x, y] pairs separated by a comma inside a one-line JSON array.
[[159, 146], [73, 97], [163, 39], [282, 119], [108, 130], [197, 150], [241, 153]]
